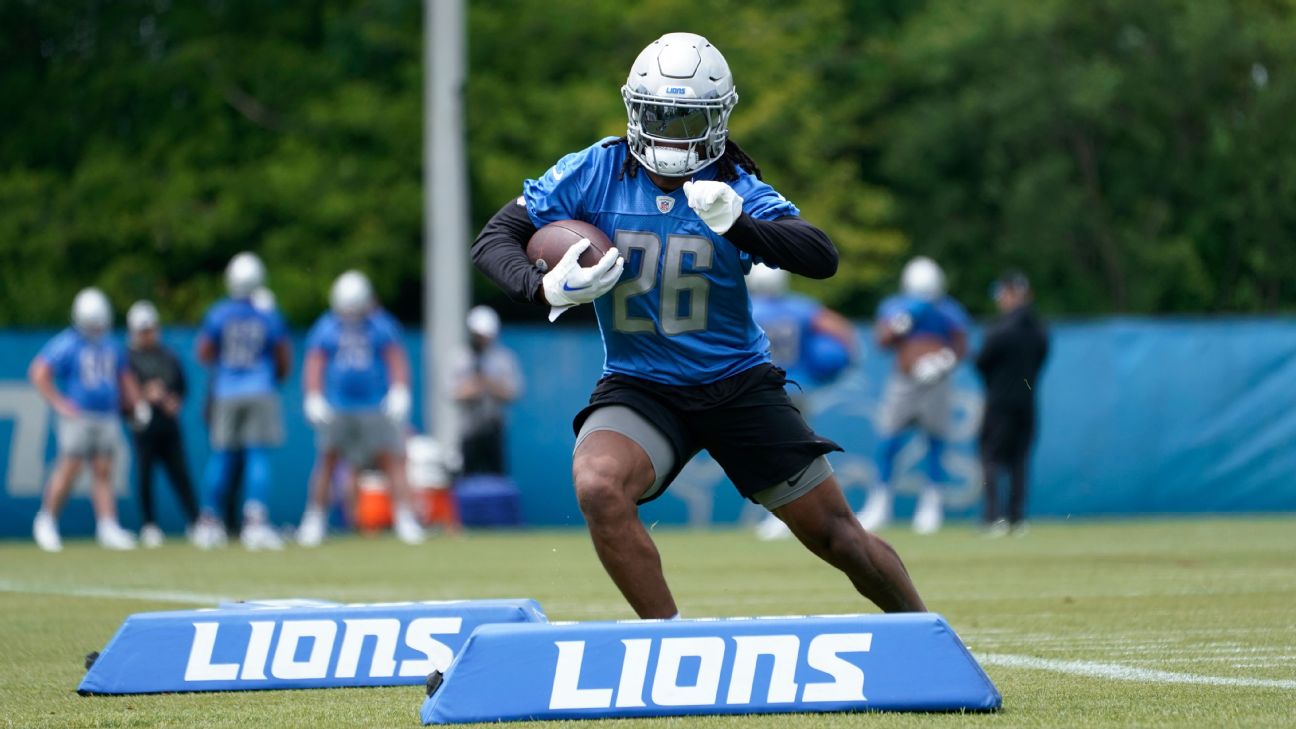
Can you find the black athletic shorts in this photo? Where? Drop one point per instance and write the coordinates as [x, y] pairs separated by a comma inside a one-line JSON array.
[[746, 422]]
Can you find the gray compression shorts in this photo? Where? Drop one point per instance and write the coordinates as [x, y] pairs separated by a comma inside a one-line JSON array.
[[246, 422], [360, 436], [88, 435]]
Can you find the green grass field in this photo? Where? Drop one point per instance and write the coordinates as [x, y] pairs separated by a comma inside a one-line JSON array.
[[1138, 623]]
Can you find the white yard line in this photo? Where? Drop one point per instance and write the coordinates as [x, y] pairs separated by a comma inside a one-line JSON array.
[[1119, 672], [114, 593]]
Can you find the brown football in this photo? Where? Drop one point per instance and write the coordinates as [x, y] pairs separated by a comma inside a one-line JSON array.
[[548, 244]]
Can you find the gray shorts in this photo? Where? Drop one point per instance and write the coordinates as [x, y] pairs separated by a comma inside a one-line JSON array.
[[360, 436], [246, 422], [627, 422], [89, 435], [905, 403]]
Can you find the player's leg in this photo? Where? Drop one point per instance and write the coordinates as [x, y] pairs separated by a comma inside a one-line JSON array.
[[895, 414], [617, 460], [932, 404], [822, 520], [405, 521], [262, 430], [328, 439], [45, 525], [107, 530]]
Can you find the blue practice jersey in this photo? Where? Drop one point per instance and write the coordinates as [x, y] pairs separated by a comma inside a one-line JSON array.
[[680, 314], [86, 371], [245, 339], [942, 319], [355, 373], [788, 322]]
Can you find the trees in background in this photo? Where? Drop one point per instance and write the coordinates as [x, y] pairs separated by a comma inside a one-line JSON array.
[[1132, 155]]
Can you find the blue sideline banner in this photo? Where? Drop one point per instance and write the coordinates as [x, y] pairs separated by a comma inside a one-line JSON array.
[[910, 662], [283, 644], [1137, 416]]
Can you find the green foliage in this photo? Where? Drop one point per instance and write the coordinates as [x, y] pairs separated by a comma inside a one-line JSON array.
[[1132, 155]]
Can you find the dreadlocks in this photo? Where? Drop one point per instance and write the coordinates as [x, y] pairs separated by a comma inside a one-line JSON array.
[[726, 167]]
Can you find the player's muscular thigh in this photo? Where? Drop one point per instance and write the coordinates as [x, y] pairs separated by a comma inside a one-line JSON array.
[[610, 472]]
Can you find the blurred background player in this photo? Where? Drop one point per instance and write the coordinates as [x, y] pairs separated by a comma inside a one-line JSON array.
[[1015, 348], [811, 342], [82, 374], [485, 378], [928, 332], [356, 379], [162, 385], [249, 353]]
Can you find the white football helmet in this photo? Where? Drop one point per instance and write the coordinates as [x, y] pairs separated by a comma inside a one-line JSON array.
[[678, 99], [91, 312], [243, 275], [483, 321], [766, 281], [263, 299], [141, 316], [351, 296], [923, 279]]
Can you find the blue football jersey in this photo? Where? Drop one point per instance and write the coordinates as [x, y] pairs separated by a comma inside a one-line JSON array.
[[86, 371], [245, 339], [788, 322], [355, 372], [680, 314], [941, 319]]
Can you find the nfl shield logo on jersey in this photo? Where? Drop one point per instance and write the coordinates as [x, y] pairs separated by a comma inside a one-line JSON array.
[[665, 204]]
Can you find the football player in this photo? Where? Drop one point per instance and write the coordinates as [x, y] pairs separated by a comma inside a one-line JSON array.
[[356, 379], [928, 332], [249, 354], [82, 373], [686, 367], [812, 343]]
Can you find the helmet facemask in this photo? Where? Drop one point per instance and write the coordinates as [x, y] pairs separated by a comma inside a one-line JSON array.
[[678, 97], [676, 136]]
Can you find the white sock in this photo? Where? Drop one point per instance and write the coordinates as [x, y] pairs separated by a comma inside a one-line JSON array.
[[106, 524]]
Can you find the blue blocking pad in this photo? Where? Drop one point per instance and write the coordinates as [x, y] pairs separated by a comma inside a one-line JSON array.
[[908, 662], [281, 644]]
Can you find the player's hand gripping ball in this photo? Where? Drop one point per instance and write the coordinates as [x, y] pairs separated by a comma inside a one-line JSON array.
[[581, 263]]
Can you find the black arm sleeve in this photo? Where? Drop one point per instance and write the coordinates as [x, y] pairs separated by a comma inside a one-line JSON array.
[[180, 386], [789, 243], [500, 253]]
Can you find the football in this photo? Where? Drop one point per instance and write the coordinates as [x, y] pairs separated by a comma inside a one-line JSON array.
[[548, 244]]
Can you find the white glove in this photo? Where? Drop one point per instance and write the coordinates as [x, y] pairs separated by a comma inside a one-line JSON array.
[[569, 284], [317, 409], [397, 403], [143, 415], [901, 323], [933, 366], [715, 202]]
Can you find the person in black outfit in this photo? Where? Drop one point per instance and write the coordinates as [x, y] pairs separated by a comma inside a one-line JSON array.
[[162, 383], [1015, 348]]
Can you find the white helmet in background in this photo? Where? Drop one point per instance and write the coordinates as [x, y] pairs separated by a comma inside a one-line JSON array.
[[484, 322], [263, 299], [766, 281], [243, 275], [923, 279], [141, 316], [351, 295], [91, 312], [679, 92]]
